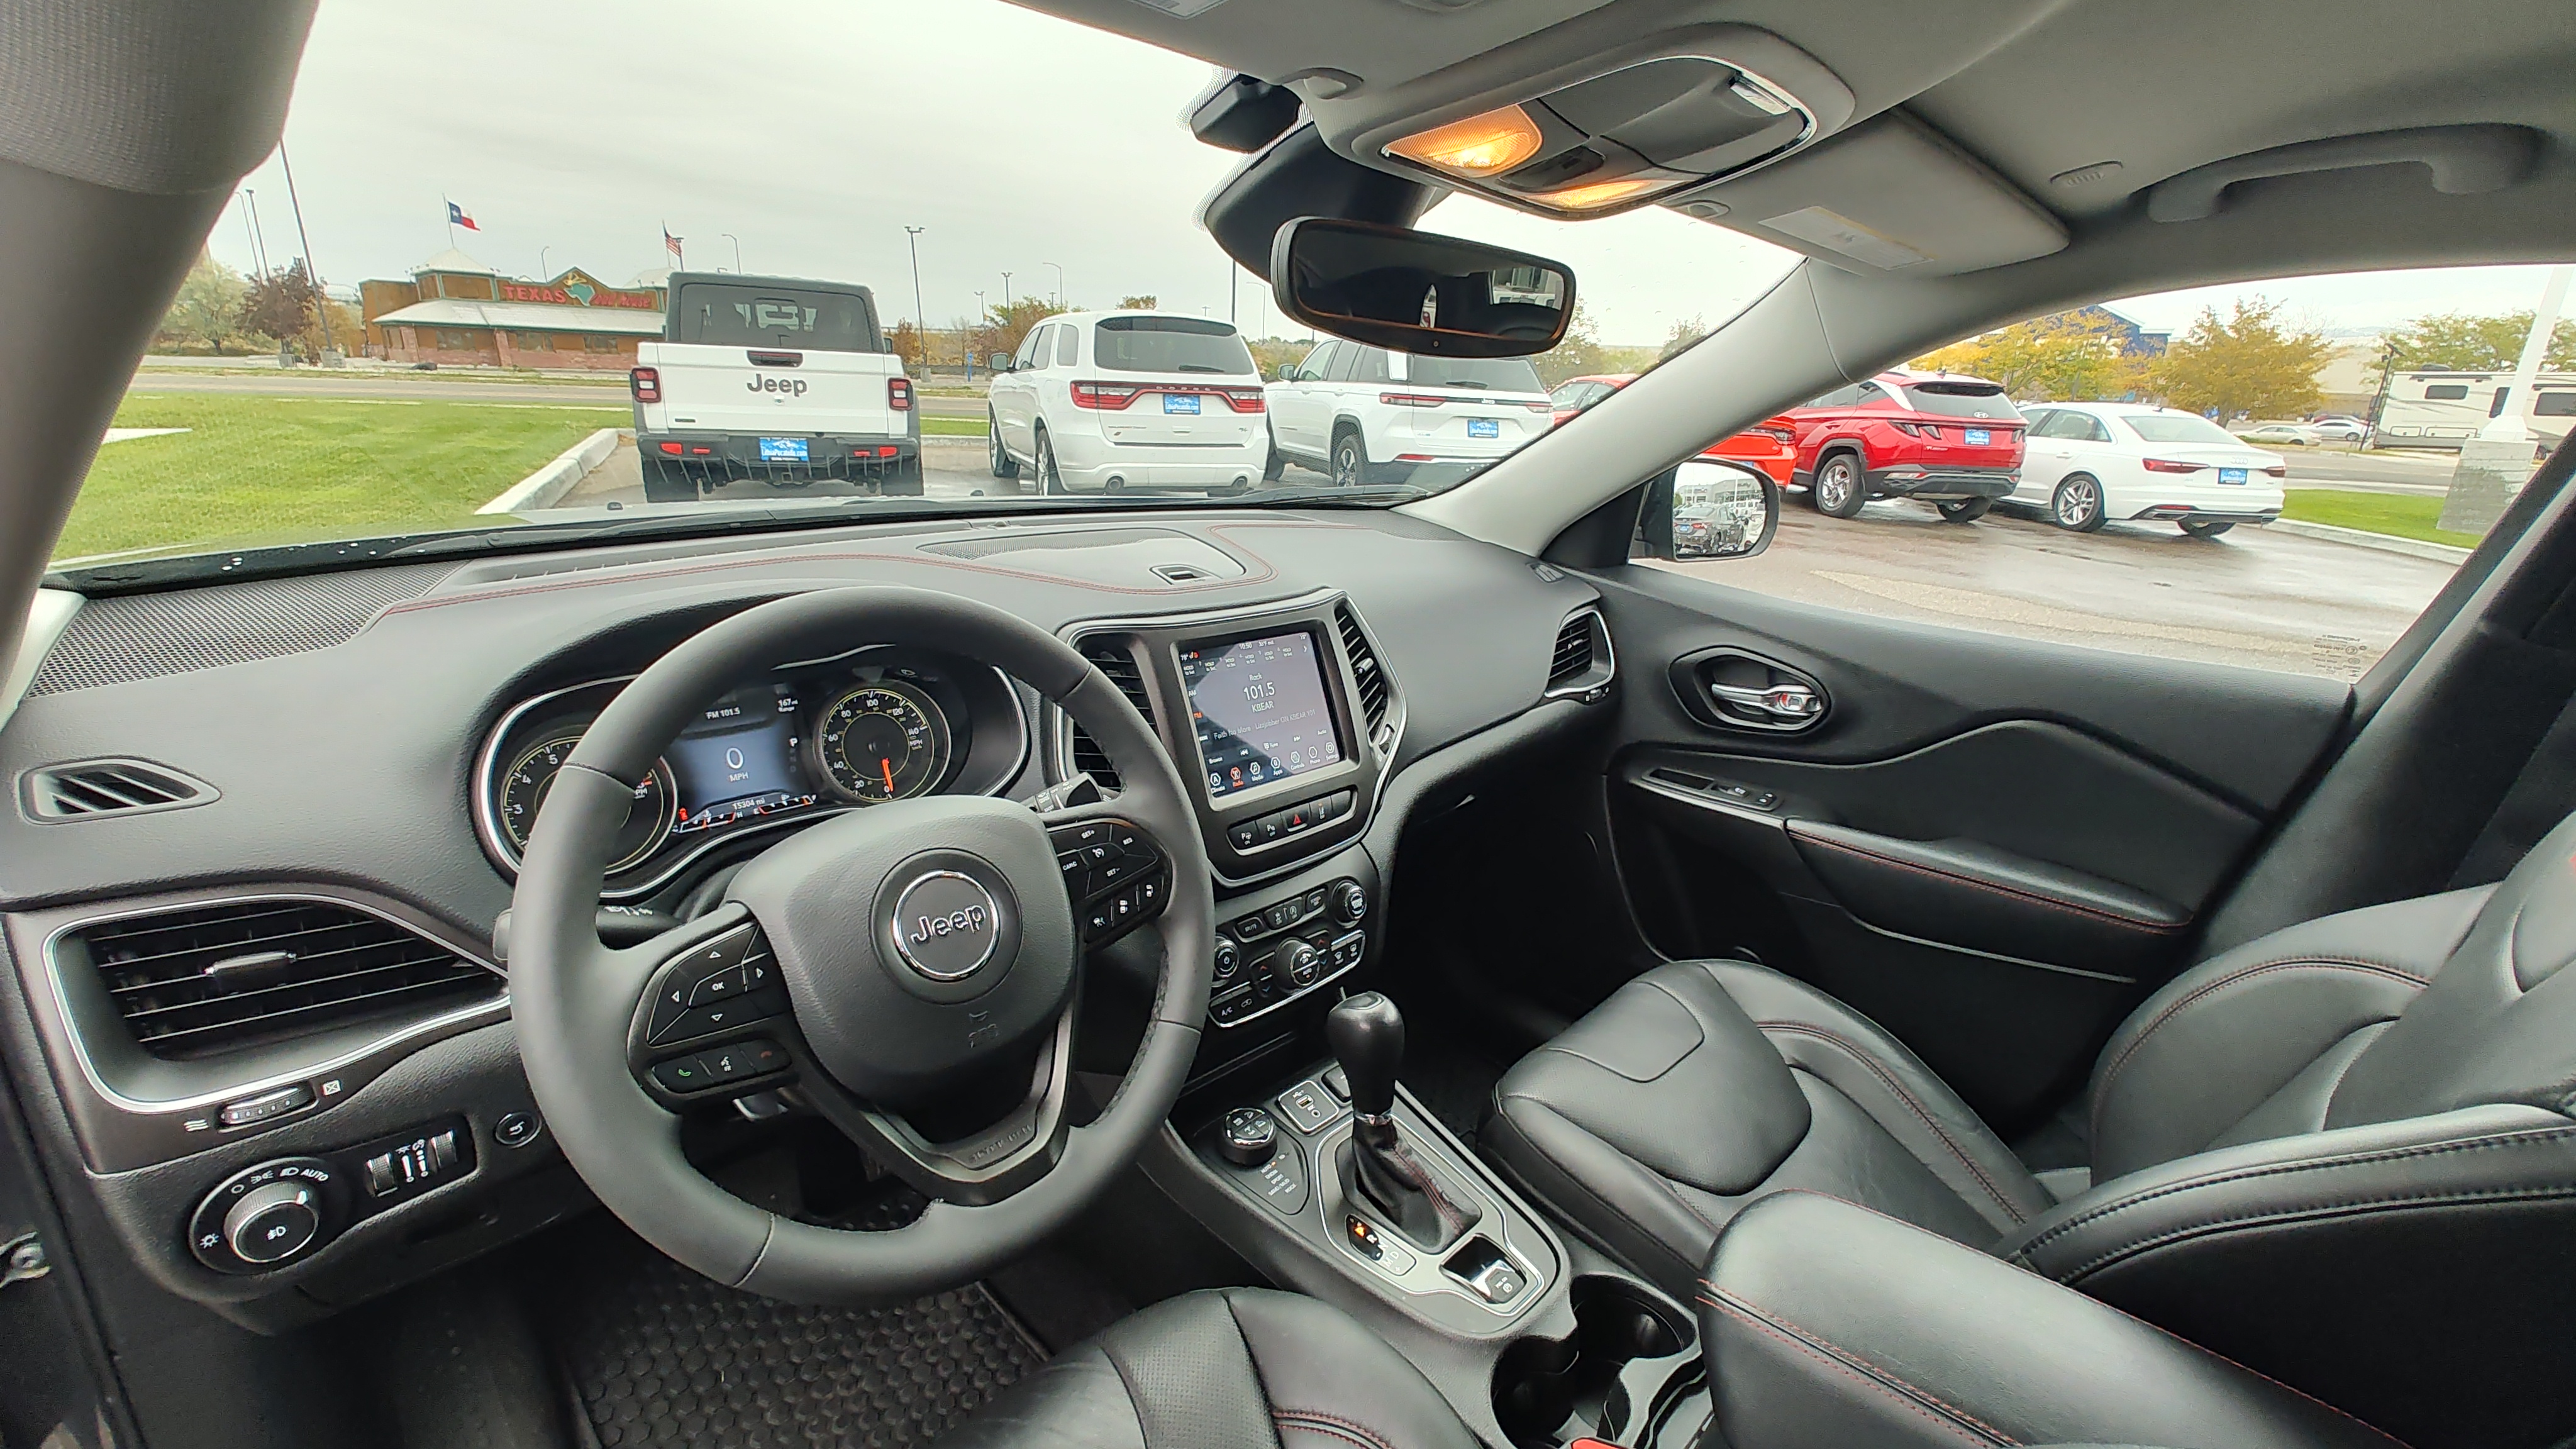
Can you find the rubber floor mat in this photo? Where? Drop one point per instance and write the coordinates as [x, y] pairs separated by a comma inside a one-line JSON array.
[[658, 1355]]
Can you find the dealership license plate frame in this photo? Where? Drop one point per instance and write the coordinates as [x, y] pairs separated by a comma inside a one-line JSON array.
[[786, 450], [1181, 404], [1981, 437], [1484, 427], [2236, 476]]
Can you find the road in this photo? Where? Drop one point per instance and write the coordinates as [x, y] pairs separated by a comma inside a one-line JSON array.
[[2255, 598], [429, 387]]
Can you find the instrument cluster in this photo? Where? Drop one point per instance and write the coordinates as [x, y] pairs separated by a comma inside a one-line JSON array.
[[799, 743]]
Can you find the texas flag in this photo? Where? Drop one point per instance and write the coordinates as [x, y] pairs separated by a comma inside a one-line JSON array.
[[458, 216]]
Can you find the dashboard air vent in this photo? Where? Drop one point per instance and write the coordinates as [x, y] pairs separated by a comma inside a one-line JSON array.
[[1113, 660], [88, 788], [208, 979], [1583, 662], [1364, 668]]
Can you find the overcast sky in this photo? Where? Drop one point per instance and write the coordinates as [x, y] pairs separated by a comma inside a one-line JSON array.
[[814, 131]]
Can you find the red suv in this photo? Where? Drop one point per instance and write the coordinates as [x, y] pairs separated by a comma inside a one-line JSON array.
[[1952, 441], [1770, 445]]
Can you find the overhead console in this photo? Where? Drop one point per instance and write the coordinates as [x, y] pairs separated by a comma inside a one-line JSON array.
[[1279, 716]]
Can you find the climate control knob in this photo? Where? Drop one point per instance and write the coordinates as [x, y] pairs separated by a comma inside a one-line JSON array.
[[1350, 903], [274, 1221], [1300, 962]]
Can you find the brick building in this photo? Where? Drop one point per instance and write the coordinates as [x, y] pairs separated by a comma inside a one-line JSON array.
[[455, 311]]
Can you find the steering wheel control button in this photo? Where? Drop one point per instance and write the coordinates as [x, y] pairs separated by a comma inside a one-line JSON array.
[[683, 1074], [517, 1129], [266, 1106], [1248, 1137], [947, 925], [1308, 1107], [722, 986]]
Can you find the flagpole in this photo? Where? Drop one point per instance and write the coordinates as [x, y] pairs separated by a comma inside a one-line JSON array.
[[451, 219]]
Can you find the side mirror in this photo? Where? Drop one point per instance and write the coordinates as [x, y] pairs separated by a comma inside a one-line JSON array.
[[1411, 291], [999, 361], [1710, 510]]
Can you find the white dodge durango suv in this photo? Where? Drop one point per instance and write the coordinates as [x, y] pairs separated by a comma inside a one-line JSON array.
[[1367, 415], [1118, 402]]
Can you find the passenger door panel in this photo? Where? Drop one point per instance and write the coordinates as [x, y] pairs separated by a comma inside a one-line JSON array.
[[1993, 846]]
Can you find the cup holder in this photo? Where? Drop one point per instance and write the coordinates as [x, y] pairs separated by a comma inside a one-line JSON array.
[[1630, 1361]]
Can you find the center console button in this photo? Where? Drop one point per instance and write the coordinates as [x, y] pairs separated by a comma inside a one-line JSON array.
[[1247, 1137], [1229, 962], [1231, 1006], [1308, 1107], [1244, 836]]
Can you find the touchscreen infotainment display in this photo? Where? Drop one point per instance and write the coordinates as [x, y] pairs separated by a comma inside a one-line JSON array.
[[1260, 710]]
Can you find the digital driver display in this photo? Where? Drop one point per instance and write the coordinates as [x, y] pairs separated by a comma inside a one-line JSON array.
[[1260, 711], [739, 760]]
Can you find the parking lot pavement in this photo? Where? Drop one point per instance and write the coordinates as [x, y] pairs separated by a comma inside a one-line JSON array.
[[2265, 600], [951, 468]]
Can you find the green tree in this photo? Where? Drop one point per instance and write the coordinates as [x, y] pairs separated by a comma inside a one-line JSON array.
[[1145, 303], [208, 310], [1577, 354], [1686, 332], [905, 339], [2066, 357], [1010, 325], [2250, 362], [2457, 342]]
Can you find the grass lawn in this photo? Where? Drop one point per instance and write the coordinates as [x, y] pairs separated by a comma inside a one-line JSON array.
[[952, 427], [256, 470], [2402, 515]]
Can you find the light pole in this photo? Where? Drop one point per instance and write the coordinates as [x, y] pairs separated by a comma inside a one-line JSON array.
[[251, 230], [1059, 281], [737, 250], [1006, 294], [258, 243], [303, 238], [920, 323], [975, 338]]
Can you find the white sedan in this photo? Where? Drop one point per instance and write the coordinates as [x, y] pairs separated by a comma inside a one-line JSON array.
[[2089, 463]]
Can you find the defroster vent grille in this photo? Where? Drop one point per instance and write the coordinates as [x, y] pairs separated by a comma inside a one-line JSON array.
[[202, 980], [1113, 659]]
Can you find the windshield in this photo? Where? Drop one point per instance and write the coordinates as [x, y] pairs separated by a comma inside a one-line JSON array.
[[686, 285], [1960, 399], [1171, 344], [2176, 428], [1492, 374]]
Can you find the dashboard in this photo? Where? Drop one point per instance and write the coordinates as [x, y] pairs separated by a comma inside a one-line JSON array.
[[799, 743], [358, 756]]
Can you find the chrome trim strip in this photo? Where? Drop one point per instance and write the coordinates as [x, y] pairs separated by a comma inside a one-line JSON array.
[[75, 1031], [496, 843], [1607, 666]]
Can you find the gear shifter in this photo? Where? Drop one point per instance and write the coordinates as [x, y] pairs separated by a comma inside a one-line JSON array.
[[1378, 1168]]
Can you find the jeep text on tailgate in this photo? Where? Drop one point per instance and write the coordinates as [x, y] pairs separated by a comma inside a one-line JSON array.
[[776, 382]]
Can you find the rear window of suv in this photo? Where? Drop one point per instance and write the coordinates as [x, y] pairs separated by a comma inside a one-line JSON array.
[[1169, 344], [1961, 400], [1492, 374], [725, 314]]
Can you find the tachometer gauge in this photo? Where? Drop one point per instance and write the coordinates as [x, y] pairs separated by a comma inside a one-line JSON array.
[[882, 741], [532, 774]]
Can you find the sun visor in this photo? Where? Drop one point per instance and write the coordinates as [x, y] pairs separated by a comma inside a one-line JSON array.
[[1888, 195]]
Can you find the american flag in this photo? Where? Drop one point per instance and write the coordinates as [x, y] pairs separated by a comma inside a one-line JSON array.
[[671, 244]]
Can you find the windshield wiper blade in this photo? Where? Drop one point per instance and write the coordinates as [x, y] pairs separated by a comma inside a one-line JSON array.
[[1375, 495], [1196, 367]]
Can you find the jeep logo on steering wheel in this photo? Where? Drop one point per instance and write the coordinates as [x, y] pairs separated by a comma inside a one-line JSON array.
[[946, 925]]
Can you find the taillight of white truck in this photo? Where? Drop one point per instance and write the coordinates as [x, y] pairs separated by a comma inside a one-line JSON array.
[[646, 382]]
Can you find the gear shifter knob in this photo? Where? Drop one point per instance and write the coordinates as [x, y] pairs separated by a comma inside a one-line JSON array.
[[1367, 1036]]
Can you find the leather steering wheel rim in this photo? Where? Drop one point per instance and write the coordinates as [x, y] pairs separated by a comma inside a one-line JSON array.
[[574, 1000]]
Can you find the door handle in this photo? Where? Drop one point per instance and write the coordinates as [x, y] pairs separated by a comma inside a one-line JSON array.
[[1789, 703]]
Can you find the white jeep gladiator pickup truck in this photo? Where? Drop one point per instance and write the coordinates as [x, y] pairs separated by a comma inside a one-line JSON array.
[[776, 379]]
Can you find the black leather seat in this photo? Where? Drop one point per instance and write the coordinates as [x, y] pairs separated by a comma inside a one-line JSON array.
[[1230, 1368], [2344, 1154]]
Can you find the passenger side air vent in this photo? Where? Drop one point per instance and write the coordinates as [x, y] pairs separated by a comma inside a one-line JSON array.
[[208, 979], [1583, 662], [1366, 670], [1113, 660], [108, 787]]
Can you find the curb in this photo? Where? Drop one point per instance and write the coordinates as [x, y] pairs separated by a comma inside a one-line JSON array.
[[2358, 538], [541, 488]]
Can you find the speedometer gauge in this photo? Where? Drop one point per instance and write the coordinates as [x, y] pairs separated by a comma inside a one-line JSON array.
[[532, 774], [882, 741]]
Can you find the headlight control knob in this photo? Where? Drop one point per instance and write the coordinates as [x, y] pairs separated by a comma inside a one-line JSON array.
[[274, 1221]]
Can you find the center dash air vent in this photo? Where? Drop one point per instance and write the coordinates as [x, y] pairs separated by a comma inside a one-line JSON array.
[[1583, 661], [108, 787], [207, 979], [1112, 659], [1366, 670]]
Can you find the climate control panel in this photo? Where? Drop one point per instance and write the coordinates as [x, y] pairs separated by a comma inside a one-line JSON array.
[[1271, 956]]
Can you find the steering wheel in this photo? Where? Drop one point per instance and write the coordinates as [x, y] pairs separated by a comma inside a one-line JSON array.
[[907, 970]]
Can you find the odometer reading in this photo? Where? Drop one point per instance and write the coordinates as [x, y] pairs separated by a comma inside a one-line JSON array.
[[882, 741], [532, 774]]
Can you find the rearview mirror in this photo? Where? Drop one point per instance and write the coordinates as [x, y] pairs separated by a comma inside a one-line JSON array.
[[1711, 511], [1410, 291]]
